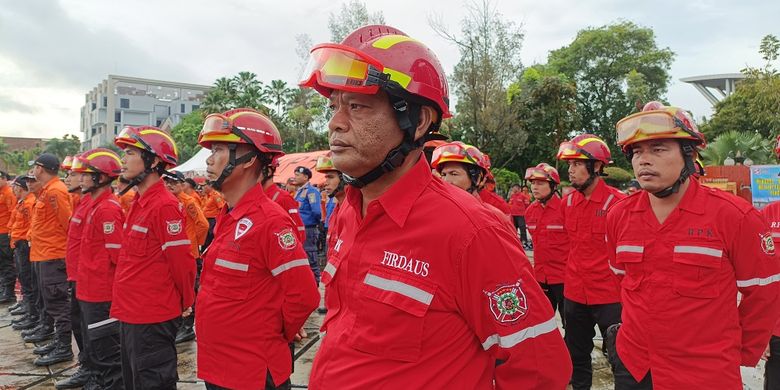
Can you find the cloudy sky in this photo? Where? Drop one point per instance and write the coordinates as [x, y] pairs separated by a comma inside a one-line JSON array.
[[52, 52]]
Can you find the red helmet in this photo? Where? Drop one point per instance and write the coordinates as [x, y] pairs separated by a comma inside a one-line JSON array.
[[657, 121], [67, 163], [585, 147], [374, 57], [543, 171], [457, 151], [100, 160], [149, 139], [242, 126]]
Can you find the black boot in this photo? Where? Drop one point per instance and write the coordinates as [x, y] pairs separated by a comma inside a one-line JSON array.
[[45, 348], [21, 310], [61, 353], [78, 379], [185, 333], [45, 333], [16, 305], [26, 323], [19, 319], [30, 331], [7, 295]]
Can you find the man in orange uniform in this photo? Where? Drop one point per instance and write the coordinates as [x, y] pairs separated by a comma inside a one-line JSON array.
[[154, 281], [191, 189], [591, 291], [126, 195], [423, 283], [212, 204], [101, 241], [19, 230], [7, 267], [551, 243], [683, 252], [256, 277], [48, 245], [75, 192], [197, 227]]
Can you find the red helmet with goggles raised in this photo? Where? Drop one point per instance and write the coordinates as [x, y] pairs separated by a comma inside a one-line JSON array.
[[149, 139], [242, 126], [543, 171], [657, 121]]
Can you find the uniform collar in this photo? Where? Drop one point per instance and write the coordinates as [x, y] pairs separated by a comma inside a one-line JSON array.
[[554, 203], [183, 197], [690, 202], [252, 198], [600, 193], [153, 192], [398, 200]]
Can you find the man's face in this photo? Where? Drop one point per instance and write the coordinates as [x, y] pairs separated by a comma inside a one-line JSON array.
[[173, 186], [37, 171], [132, 163], [540, 188], [657, 163], [332, 182], [17, 191], [578, 172], [455, 174], [362, 130], [216, 162], [300, 179], [79, 180], [515, 189]]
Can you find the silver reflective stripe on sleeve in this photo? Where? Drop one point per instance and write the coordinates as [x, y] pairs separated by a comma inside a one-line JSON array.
[[175, 243], [113, 246], [330, 269], [699, 250], [402, 288], [531, 227], [609, 200], [617, 271], [301, 228], [101, 323], [75, 220], [554, 227], [568, 201], [775, 235], [630, 249], [276, 195], [292, 264], [139, 228], [231, 265], [758, 281], [293, 211], [518, 337]]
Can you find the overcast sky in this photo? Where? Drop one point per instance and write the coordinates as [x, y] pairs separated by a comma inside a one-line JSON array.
[[53, 52]]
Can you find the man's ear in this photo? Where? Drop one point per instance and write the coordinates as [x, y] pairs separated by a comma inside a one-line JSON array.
[[427, 116]]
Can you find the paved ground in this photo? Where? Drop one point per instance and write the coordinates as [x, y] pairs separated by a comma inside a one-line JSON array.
[[18, 372]]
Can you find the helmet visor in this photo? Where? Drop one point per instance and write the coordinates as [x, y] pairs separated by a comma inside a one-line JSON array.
[[647, 123], [456, 152], [332, 66], [130, 136], [535, 173]]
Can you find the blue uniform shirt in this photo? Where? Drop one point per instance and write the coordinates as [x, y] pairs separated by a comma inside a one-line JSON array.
[[308, 198], [330, 205]]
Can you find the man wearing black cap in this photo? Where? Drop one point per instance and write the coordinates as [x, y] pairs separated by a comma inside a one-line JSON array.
[[20, 226], [308, 198], [48, 237], [7, 268]]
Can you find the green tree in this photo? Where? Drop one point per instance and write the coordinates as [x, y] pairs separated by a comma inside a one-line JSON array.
[[753, 107], [185, 134], [613, 66], [739, 144], [504, 180], [68, 145], [490, 62], [279, 95], [351, 15], [617, 177], [241, 90]]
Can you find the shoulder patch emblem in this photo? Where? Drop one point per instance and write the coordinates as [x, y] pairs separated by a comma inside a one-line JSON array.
[[286, 239], [243, 226], [312, 197], [507, 303], [767, 243], [108, 227], [174, 227]]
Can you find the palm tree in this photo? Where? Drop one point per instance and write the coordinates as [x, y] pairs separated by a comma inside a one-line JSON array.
[[736, 144], [280, 95]]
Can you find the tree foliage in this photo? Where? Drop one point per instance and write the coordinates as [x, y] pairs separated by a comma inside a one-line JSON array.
[[351, 15], [68, 145], [735, 144]]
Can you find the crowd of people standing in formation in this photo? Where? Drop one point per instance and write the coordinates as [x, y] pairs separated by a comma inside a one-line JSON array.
[[427, 284]]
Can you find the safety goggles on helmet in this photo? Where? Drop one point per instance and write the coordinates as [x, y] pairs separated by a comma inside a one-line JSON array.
[[220, 128], [457, 152], [535, 173], [341, 67], [653, 123], [129, 136], [568, 151]]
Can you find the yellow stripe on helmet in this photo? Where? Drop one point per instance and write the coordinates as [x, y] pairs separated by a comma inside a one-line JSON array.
[[399, 77], [230, 138], [389, 41], [165, 135]]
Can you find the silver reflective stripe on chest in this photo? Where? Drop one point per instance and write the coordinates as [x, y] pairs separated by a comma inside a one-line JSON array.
[[402, 288], [699, 250], [232, 265], [630, 249]]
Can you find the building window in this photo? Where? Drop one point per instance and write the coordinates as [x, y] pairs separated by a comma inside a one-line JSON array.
[[159, 122], [195, 107], [124, 103], [105, 101], [94, 105], [117, 116], [94, 130], [183, 107]]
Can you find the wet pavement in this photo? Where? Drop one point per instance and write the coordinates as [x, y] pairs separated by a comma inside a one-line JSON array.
[[18, 372]]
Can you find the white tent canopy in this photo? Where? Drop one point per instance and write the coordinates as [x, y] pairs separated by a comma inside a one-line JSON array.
[[196, 165]]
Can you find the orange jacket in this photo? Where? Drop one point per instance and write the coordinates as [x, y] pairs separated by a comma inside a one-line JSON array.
[[7, 205], [195, 195], [212, 204], [21, 219], [49, 223], [126, 200], [195, 224]]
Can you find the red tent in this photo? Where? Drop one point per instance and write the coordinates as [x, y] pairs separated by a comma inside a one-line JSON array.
[[289, 162]]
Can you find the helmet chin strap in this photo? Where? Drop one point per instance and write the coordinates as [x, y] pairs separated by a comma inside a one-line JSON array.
[[96, 179], [688, 169], [475, 176], [550, 195], [148, 159], [233, 162], [339, 188], [592, 175]]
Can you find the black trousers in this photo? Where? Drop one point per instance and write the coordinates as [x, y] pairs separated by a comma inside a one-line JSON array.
[[36, 305], [76, 323], [149, 354], [310, 246], [189, 321], [7, 266], [623, 379], [101, 342], [269, 384], [22, 260], [56, 299], [554, 293], [209, 235], [519, 221], [772, 374], [580, 322]]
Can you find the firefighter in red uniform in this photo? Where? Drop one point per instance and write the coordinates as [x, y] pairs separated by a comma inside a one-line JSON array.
[[403, 309], [519, 200], [591, 291], [256, 278], [683, 251], [282, 198], [155, 274], [772, 373], [101, 241], [334, 188], [551, 243]]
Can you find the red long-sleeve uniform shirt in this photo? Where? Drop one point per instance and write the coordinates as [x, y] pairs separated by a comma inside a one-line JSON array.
[[495, 200], [772, 215], [679, 288], [551, 243], [155, 275], [589, 280], [426, 290], [518, 203], [256, 292], [75, 229], [101, 242], [290, 205]]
